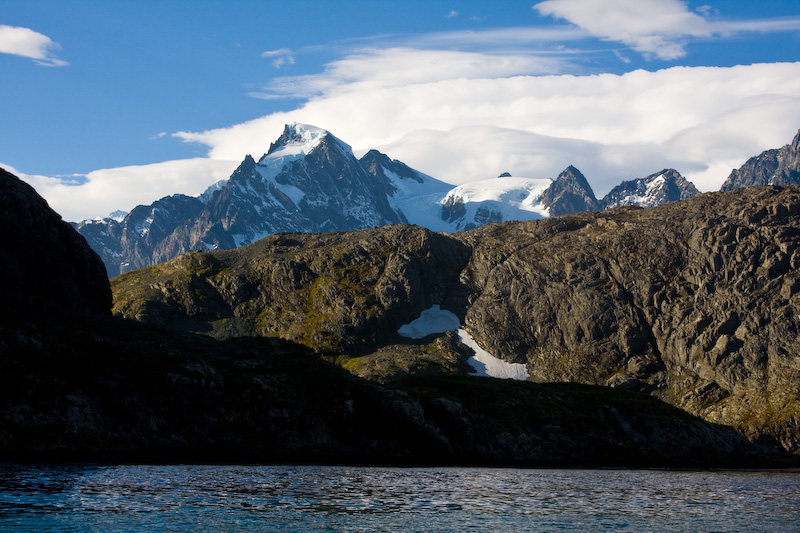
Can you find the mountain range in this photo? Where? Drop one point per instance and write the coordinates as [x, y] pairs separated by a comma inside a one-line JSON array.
[[310, 181]]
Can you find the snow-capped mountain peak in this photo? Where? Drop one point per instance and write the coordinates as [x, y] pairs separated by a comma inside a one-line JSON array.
[[295, 143], [656, 189], [299, 139]]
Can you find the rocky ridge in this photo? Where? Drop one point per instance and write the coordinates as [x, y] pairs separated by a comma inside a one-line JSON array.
[[570, 193], [656, 189], [691, 302], [780, 166]]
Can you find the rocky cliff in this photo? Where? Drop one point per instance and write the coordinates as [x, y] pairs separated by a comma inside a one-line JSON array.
[[692, 302], [331, 292], [780, 166], [143, 235]]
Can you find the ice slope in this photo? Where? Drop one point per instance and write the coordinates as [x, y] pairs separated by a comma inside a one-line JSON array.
[[495, 200]]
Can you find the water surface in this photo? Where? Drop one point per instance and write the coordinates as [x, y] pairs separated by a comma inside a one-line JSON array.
[[185, 498]]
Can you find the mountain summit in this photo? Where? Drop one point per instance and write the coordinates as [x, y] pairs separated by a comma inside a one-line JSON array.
[[779, 166], [307, 181], [656, 189]]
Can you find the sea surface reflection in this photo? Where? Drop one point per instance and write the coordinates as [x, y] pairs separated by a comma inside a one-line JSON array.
[[342, 498]]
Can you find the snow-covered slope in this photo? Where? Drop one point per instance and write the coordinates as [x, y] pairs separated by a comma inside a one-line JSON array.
[[493, 200]]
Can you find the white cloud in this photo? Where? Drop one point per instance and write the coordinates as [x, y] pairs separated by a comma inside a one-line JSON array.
[[653, 27], [282, 56], [656, 28], [373, 70], [500, 39], [707, 10], [124, 188], [769, 25], [28, 43], [452, 14]]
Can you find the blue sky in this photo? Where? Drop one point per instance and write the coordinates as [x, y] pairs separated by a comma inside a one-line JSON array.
[[96, 93]]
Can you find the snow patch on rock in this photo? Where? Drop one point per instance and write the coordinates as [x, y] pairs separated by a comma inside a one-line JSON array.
[[435, 320]]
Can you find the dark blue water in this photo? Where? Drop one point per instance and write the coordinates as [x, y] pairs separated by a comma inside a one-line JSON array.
[[303, 498]]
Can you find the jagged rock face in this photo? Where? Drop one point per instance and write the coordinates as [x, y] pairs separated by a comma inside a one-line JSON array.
[[414, 196], [143, 236], [453, 210], [331, 292], [377, 164], [569, 193], [47, 267], [246, 209], [338, 193], [773, 167], [694, 302], [656, 189], [104, 236], [146, 228]]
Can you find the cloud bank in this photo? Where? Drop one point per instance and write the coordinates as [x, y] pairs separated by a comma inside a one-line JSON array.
[[703, 121], [102, 191], [28, 43]]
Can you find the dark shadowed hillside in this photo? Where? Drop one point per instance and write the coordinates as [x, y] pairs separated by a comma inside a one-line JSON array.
[[47, 268]]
